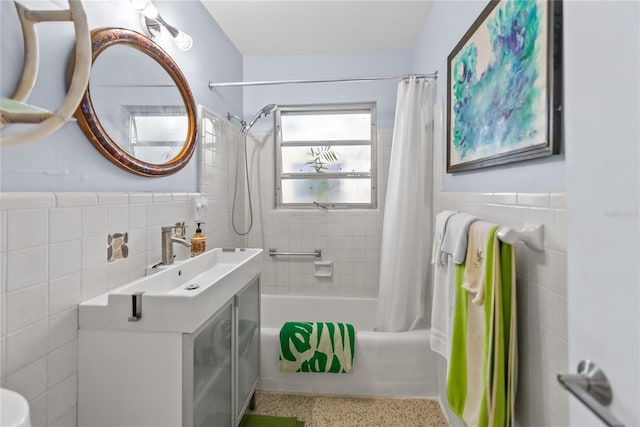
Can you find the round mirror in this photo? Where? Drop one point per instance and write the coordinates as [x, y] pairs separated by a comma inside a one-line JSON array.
[[138, 110]]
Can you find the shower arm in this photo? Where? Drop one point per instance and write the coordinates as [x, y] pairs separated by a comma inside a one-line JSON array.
[[244, 126], [239, 119]]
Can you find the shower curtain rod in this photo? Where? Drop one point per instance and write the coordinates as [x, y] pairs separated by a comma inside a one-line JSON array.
[[213, 85]]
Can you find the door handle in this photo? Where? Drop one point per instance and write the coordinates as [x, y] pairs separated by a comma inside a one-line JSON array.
[[591, 387]]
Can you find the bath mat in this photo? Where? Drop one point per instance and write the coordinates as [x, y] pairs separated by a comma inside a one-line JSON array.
[[269, 421], [317, 347]]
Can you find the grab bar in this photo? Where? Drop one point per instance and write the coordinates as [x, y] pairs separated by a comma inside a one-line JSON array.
[[591, 387], [316, 253]]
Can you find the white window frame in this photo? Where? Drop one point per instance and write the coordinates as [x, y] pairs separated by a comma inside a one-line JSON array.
[[326, 109]]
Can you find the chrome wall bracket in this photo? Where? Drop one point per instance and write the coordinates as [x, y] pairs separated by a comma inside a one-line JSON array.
[[591, 387]]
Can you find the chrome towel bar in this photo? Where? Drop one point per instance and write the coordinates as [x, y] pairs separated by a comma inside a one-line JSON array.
[[316, 253], [591, 387]]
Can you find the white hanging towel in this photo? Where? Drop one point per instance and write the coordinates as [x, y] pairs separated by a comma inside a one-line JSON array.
[[453, 250], [438, 234], [454, 242], [443, 289]]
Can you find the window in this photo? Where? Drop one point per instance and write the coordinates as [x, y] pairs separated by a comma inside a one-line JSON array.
[[326, 156]]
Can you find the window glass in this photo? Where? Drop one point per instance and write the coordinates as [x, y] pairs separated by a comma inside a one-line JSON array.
[[327, 158], [327, 190], [326, 154], [326, 127]]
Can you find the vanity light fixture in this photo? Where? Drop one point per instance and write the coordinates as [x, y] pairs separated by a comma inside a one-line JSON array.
[[154, 23]]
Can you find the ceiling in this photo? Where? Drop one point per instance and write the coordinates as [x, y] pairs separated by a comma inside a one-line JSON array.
[[299, 27]]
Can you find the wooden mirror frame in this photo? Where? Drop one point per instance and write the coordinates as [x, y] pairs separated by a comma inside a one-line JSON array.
[[103, 38]]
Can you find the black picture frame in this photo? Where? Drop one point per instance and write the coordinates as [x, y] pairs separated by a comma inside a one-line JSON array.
[[488, 110]]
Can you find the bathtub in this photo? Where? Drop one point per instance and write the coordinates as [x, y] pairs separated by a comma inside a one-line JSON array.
[[385, 364]]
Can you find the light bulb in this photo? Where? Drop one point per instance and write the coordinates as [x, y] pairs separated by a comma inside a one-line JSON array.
[[145, 7], [183, 41]]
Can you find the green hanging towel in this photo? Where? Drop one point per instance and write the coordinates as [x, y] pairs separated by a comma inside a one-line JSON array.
[[317, 347], [481, 382]]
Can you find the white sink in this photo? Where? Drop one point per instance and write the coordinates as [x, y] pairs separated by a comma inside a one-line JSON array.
[[179, 298]]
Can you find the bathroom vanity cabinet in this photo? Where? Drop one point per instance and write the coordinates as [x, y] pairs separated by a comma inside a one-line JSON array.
[[203, 377], [225, 354], [220, 381]]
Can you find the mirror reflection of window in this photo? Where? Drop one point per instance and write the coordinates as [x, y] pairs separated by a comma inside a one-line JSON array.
[[118, 96], [156, 133]]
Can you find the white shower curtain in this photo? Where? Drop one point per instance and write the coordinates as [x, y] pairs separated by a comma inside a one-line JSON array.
[[407, 213]]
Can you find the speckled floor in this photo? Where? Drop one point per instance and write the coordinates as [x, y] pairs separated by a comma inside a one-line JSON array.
[[328, 411]]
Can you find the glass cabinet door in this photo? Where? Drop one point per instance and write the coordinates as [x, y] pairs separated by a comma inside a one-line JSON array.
[[212, 375], [248, 344]]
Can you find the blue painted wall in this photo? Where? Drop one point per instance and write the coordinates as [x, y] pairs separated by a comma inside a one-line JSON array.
[[325, 66], [445, 26], [66, 161]]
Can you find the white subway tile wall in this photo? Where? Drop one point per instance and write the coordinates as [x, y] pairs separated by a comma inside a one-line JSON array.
[[219, 142], [75, 199], [26, 306], [65, 224], [53, 253], [55, 258], [30, 229], [349, 238]]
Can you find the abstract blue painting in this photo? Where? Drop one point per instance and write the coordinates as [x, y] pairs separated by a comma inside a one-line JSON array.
[[501, 88]]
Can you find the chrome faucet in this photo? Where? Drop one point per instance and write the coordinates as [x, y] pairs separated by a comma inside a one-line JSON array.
[[169, 238]]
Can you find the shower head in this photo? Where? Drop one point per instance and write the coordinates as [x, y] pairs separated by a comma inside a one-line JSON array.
[[264, 112]]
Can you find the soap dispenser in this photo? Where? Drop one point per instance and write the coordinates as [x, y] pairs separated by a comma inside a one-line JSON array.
[[198, 242]]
